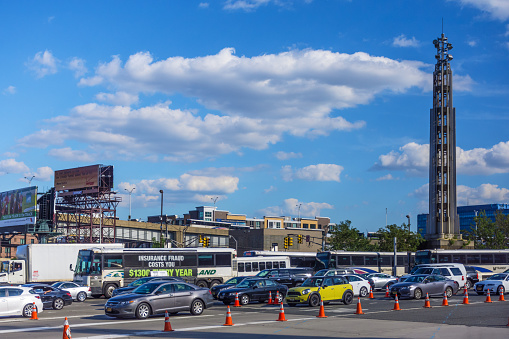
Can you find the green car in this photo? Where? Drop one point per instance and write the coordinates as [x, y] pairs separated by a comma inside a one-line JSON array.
[[316, 289]]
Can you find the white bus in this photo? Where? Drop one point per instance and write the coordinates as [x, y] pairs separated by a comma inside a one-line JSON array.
[[297, 259], [104, 270], [250, 266], [485, 262]]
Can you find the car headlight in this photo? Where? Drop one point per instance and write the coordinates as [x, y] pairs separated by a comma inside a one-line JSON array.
[[123, 303], [406, 288], [306, 291]]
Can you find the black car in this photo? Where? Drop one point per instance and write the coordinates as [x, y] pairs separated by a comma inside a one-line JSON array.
[[253, 289], [291, 277], [228, 284], [139, 282], [472, 276], [51, 297]]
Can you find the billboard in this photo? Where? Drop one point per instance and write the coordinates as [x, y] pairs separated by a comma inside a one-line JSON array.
[[18, 207], [77, 178]]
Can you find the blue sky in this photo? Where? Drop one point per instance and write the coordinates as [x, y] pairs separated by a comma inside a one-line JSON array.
[[265, 104]]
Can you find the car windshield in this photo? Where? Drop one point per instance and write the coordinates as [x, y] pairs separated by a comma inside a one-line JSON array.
[[497, 277], [424, 270], [139, 282], [233, 280], [146, 288], [57, 284], [312, 282], [247, 283], [415, 279], [321, 272], [263, 273]]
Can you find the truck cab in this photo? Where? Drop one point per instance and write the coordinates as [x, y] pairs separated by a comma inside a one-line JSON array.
[[12, 272]]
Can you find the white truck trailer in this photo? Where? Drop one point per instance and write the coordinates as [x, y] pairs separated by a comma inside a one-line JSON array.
[[43, 263]]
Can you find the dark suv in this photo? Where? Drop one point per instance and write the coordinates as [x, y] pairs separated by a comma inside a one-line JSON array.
[[472, 276], [291, 277]]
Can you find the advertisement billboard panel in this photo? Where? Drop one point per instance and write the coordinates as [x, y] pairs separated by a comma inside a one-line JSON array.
[[77, 178], [18, 207]]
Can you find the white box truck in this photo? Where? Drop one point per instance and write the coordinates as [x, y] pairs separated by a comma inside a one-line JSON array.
[[43, 263]]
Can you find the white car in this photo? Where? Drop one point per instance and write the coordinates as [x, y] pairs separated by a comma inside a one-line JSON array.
[[360, 285], [16, 300], [78, 292], [497, 283]]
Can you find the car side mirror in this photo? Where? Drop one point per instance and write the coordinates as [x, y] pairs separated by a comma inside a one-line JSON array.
[[255, 287], [325, 286], [158, 292], [70, 267]]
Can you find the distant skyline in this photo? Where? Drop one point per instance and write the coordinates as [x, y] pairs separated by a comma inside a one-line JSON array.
[[261, 107]]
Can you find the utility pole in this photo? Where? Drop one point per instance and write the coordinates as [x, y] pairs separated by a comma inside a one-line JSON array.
[[130, 192]]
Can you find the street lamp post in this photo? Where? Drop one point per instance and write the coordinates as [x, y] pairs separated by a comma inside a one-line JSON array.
[[299, 205], [231, 236], [130, 192], [30, 180], [161, 229], [214, 211]]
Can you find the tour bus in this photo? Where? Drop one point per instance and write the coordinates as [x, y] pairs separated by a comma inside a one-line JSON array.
[[297, 259], [485, 262], [250, 266], [104, 270], [365, 262]]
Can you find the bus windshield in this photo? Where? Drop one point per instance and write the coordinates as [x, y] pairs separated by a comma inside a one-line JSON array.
[[322, 261], [87, 264], [422, 257]]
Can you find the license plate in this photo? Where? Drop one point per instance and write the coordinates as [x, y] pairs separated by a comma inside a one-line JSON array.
[[479, 288], [108, 309], [290, 299]]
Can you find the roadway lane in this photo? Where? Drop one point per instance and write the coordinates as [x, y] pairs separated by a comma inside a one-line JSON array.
[[87, 320]]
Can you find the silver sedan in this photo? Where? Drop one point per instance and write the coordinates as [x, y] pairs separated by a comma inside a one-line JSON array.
[[158, 297], [417, 286]]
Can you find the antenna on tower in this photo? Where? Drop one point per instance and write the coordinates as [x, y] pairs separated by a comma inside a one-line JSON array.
[[442, 26]]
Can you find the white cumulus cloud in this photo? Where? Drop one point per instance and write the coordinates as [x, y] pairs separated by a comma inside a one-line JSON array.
[[78, 66], [287, 155], [320, 172], [403, 41], [68, 154], [291, 207], [43, 63], [497, 9], [12, 166]]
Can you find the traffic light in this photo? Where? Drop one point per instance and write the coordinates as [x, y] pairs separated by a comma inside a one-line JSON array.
[[206, 242], [308, 238], [286, 242], [200, 239], [290, 241], [299, 238]]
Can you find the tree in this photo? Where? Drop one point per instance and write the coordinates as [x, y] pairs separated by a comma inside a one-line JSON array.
[[406, 241], [490, 234], [345, 237], [158, 244]]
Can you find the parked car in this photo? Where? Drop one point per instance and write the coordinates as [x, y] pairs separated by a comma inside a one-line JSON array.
[[418, 285], [335, 271], [138, 282], [360, 286], [316, 289], [78, 292], [253, 289], [287, 276], [497, 283], [380, 281], [228, 284], [472, 276], [454, 272], [156, 297], [51, 297], [18, 300]]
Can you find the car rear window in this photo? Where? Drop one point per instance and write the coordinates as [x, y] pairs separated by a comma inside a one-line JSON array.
[[456, 271]]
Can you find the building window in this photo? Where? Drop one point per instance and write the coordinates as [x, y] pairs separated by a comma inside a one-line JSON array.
[[8, 250], [32, 241], [21, 241], [305, 225], [208, 214], [257, 224]]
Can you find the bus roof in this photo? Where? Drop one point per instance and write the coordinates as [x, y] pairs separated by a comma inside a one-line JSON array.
[[185, 249], [278, 253]]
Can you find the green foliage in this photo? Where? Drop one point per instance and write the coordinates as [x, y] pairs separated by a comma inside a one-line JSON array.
[[158, 244], [406, 241], [490, 234], [347, 238]]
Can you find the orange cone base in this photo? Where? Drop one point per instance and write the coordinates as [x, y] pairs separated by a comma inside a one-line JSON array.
[[501, 298], [427, 304], [321, 314], [270, 299], [488, 298], [237, 303], [396, 305], [34, 313]]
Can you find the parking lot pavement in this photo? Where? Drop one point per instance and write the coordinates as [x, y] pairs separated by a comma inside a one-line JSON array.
[[87, 320]]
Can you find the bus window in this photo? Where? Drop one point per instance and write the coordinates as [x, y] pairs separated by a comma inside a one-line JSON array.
[[205, 260], [444, 259], [113, 261], [358, 260], [262, 266], [255, 266], [500, 258], [473, 259], [402, 260], [269, 265], [248, 267], [458, 258], [282, 264], [223, 259], [385, 260], [189, 260], [241, 267], [487, 258], [343, 260], [371, 260], [275, 264]]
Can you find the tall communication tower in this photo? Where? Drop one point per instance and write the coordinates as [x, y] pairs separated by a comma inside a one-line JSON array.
[[443, 217]]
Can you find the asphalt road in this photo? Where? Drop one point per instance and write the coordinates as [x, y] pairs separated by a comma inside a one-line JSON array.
[[87, 320]]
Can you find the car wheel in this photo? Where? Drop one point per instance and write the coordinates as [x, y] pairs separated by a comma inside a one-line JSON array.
[[142, 311], [27, 310], [197, 307], [418, 293], [363, 292], [244, 299], [314, 300], [202, 283], [108, 291], [448, 292], [500, 290], [468, 284], [347, 298], [280, 298], [214, 283], [58, 304], [81, 297], [292, 304]]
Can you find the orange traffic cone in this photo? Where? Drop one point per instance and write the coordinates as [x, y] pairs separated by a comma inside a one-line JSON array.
[[427, 303], [396, 304], [387, 295], [228, 321], [276, 298], [281, 313], [167, 325], [270, 299], [237, 304], [359, 307], [371, 293], [445, 302], [67, 330], [488, 298], [321, 314], [465, 297], [501, 298], [34, 312]]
